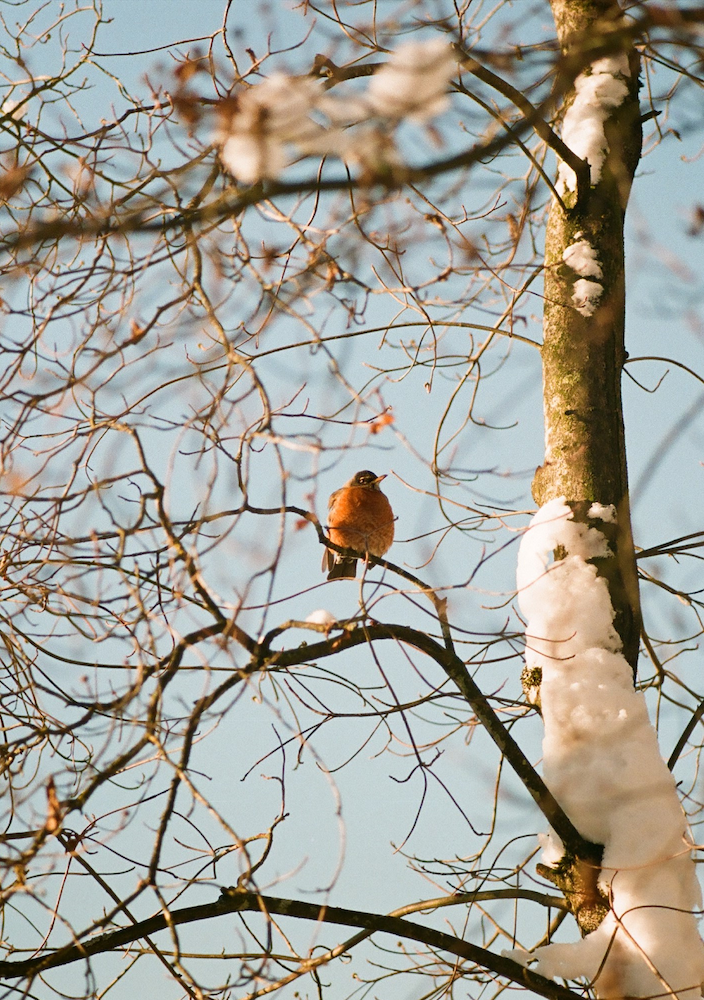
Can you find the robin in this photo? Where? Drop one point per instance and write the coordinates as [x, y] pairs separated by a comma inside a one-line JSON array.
[[360, 518]]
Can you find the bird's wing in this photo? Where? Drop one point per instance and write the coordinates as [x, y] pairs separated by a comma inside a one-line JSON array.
[[332, 500], [328, 554]]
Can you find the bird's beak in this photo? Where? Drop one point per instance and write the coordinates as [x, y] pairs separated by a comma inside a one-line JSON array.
[[379, 478]]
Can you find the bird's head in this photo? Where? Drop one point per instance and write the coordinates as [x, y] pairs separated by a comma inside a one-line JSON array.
[[366, 478]]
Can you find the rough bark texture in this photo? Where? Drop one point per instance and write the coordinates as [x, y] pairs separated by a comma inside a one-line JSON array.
[[583, 356], [585, 457], [579, 881]]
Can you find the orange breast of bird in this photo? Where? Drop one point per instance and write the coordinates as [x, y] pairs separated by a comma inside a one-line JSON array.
[[361, 519]]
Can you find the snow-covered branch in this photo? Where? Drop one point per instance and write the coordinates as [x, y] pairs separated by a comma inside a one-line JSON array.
[[267, 127], [602, 763]]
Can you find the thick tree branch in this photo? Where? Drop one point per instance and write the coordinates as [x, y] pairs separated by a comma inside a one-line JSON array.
[[458, 673], [236, 901]]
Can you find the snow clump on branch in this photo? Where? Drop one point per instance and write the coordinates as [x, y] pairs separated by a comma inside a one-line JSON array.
[[413, 83], [266, 127], [602, 763], [266, 119]]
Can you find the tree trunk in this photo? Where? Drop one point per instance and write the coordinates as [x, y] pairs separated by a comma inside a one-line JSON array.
[[583, 353], [583, 335]]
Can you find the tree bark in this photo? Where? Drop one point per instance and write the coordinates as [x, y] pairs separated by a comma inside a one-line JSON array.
[[583, 355]]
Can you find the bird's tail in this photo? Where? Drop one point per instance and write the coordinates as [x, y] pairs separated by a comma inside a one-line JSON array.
[[343, 567]]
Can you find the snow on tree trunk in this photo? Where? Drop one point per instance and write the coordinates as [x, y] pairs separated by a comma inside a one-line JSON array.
[[577, 575], [601, 761]]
